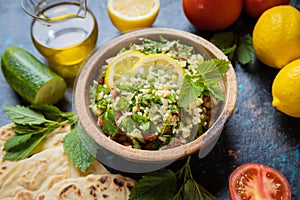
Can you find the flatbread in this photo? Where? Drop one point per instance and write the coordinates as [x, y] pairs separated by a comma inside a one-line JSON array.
[[30, 178], [92, 187]]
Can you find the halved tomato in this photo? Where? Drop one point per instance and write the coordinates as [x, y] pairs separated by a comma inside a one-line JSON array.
[[256, 181]]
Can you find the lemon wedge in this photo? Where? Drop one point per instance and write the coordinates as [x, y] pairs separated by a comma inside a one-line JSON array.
[[128, 15], [120, 66]]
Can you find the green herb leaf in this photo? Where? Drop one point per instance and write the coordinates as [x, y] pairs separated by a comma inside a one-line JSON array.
[[189, 92], [216, 92], [109, 123], [205, 194], [24, 149], [226, 42], [54, 114], [191, 190], [26, 129], [215, 66], [77, 150], [245, 51], [236, 47], [155, 185], [71, 117], [16, 140], [24, 115], [86, 140], [50, 112], [223, 40]]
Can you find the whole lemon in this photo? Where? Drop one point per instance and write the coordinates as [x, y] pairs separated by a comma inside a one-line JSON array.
[[286, 89], [276, 36]]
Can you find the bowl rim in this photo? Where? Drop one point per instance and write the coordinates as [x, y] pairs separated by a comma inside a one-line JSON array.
[[93, 130]]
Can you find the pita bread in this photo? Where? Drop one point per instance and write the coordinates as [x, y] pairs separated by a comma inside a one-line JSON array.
[[108, 187], [30, 178]]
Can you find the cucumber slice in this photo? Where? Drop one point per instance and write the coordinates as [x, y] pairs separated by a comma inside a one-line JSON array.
[[30, 78]]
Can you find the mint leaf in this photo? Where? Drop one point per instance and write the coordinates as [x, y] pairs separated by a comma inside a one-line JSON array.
[[53, 113], [50, 112], [236, 47], [71, 117], [221, 65], [216, 66], [35, 129], [25, 129], [77, 151], [24, 115], [23, 150], [155, 185], [191, 190], [109, 126], [226, 42], [216, 92], [86, 140], [189, 92], [230, 52], [205, 194], [16, 140], [245, 51], [223, 40]]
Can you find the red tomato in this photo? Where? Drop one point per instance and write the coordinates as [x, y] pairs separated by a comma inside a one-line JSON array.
[[255, 8], [212, 15], [257, 181]]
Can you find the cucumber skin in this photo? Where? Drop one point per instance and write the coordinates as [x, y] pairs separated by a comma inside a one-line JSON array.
[[25, 73]]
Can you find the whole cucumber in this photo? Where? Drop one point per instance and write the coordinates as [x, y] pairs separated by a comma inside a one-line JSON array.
[[30, 78]]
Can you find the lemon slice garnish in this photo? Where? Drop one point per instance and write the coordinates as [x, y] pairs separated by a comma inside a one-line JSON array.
[[162, 64], [121, 66]]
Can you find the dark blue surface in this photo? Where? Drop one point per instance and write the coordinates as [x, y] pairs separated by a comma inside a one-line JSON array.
[[255, 133]]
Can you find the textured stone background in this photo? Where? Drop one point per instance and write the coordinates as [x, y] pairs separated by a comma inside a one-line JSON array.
[[255, 133]]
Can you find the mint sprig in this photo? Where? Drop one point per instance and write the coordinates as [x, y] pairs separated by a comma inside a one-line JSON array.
[[32, 124], [167, 185], [155, 185], [237, 48], [204, 82]]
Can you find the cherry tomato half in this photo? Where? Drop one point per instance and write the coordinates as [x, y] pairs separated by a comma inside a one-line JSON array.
[[255, 8], [212, 15], [257, 181]]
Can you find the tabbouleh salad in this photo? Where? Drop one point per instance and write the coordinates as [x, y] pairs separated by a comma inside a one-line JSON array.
[[158, 112]]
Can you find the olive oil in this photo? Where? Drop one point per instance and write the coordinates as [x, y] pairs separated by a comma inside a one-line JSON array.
[[65, 43]]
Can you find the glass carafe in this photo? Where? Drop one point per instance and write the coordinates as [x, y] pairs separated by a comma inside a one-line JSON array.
[[63, 31]]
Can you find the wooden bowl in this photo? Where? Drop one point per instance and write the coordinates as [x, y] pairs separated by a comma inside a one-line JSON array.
[[90, 72]]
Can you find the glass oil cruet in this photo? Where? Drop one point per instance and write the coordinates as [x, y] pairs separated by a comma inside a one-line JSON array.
[[64, 31]]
